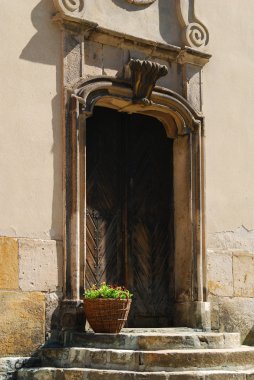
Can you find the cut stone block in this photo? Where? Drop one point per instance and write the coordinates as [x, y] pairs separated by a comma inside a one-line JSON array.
[[91, 374], [243, 269], [22, 321], [40, 265], [9, 274], [235, 315], [220, 277], [112, 60], [162, 360], [162, 340], [93, 59]]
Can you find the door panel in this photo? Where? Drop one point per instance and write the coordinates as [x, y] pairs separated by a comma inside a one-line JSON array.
[[150, 217], [104, 251], [130, 213]]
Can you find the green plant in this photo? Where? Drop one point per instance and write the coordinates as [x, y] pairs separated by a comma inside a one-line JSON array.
[[107, 291]]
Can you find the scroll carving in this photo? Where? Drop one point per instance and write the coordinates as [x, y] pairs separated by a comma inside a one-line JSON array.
[[69, 6], [144, 75], [141, 2], [195, 33]]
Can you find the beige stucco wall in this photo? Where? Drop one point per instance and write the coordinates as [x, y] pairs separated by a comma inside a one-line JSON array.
[[31, 146], [228, 98], [30, 129], [156, 22]]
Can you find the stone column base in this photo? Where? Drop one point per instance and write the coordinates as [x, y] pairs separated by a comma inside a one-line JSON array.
[[193, 314], [72, 315]]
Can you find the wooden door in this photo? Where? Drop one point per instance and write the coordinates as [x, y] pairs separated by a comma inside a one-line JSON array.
[[130, 212]]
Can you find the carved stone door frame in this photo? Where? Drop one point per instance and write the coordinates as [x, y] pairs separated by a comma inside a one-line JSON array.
[[183, 124]]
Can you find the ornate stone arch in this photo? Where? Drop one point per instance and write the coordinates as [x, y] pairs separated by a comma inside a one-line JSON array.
[[183, 124]]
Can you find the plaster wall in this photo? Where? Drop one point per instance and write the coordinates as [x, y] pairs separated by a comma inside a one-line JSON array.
[[30, 131], [155, 22], [31, 257], [228, 101]]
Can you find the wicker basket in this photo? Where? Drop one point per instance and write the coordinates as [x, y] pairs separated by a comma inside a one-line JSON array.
[[107, 315]]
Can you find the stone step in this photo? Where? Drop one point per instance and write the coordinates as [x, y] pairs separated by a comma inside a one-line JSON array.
[[92, 374], [161, 360], [156, 339]]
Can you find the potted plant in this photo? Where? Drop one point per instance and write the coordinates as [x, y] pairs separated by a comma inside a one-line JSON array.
[[107, 307]]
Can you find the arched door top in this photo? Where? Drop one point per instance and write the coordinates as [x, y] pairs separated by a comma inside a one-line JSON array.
[[171, 109]]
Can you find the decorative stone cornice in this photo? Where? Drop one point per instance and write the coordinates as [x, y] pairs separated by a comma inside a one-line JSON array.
[[144, 75], [69, 6], [195, 34], [71, 16]]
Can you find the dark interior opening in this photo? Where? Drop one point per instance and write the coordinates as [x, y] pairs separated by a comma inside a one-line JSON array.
[[129, 212]]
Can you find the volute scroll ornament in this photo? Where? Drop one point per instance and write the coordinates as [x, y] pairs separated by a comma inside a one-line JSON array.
[[195, 33], [69, 6]]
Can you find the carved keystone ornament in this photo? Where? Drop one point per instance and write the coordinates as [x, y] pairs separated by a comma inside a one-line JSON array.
[[144, 75]]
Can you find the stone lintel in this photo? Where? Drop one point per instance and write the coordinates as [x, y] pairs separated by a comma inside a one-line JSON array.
[[93, 32]]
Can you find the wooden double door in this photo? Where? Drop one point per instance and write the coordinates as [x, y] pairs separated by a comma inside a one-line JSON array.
[[129, 212]]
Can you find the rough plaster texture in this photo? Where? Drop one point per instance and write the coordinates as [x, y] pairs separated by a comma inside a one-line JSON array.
[[40, 265], [22, 320], [240, 238], [9, 277], [30, 132]]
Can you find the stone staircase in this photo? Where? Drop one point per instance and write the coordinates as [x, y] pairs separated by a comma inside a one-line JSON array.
[[135, 354]]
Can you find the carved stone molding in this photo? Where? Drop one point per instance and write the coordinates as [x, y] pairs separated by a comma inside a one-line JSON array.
[[144, 75], [69, 6], [195, 33], [141, 2]]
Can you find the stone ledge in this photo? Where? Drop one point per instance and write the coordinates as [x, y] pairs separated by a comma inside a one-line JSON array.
[[96, 33]]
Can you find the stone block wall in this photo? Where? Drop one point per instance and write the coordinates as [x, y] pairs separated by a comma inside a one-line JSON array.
[[231, 291], [30, 288]]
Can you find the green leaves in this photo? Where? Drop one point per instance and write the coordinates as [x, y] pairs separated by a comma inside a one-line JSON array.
[[107, 291]]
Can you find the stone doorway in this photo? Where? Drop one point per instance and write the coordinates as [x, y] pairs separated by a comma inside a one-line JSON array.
[[183, 127], [129, 219]]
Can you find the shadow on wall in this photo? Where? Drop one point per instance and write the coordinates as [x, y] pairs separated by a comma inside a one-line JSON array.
[[129, 7], [249, 339], [168, 21], [45, 48]]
